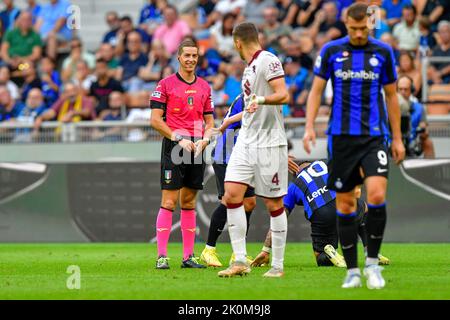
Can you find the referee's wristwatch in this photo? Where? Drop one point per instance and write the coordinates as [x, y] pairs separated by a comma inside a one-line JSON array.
[[178, 137]]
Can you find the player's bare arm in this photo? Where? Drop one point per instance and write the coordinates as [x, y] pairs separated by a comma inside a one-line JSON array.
[[157, 122], [312, 108], [393, 108], [229, 121]]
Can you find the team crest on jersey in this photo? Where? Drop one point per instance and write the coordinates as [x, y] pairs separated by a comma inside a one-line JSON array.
[[274, 66], [190, 101], [373, 61], [318, 62], [168, 175]]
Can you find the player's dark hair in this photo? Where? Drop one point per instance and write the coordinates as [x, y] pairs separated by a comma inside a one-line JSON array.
[[247, 32], [357, 11], [188, 42]]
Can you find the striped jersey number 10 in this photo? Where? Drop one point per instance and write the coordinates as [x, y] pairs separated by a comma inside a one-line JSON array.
[[311, 172]]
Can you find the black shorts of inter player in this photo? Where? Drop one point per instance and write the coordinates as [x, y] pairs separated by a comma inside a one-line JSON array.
[[324, 225], [347, 154], [219, 170], [178, 172]]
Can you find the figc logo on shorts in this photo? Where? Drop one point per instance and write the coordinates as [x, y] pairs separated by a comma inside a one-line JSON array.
[[168, 175]]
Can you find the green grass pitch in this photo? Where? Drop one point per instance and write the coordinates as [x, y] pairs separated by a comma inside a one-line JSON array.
[[126, 271]]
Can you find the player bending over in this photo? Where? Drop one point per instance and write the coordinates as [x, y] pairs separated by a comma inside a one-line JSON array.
[[310, 191], [182, 113], [221, 155], [259, 158]]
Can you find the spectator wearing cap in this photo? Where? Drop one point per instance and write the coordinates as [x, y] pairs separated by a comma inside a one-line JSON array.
[[22, 44], [274, 29], [295, 77], [172, 32], [407, 31], [440, 72], [130, 64], [9, 15], [393, 9], [52, 25], [103, 87]]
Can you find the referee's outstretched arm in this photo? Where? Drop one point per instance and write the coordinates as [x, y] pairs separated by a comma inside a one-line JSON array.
[[393, 109], [312, 108]]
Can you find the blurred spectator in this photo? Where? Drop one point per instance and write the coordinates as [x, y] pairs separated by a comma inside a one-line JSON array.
[[254, 11], [9, 15], [70, 107], [295, 77], [440, 72], [34, 8], [407, 31], [130, 64], [51, 80], [222, 45], [436, 10], [274, 29], [383, 26], [106, 52], [287, 12], [218, 95], [209, 68], [126, 28], [5, 80], [103, 87], [116, 112], [139, 115], [407, 67], [52, 26], [393, 9], [9, 108], [22, 44], [233, 82], [308, 10], [427, 40], [33, 107], [158, 58], [167, 71], [77, 54], [262, 38], [172, 32], [416, 116], [234, 6], [151, 15], [31, 81], [326, 22], [113, 22], [83, 77]]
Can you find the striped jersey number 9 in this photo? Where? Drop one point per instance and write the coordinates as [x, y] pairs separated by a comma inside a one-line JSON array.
[[311, 171], [382, 157]]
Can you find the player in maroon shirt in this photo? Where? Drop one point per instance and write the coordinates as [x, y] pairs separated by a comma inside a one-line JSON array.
[[182, 112]]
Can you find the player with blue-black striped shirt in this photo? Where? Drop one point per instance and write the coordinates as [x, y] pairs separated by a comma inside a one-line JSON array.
[[221, 155], [309, 189], [359, 67]]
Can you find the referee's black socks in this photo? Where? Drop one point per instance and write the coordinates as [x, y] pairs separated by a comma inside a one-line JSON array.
[[375, 224], [348, 237]]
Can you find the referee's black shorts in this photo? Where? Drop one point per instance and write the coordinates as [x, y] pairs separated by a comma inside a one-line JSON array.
[[324, 225], [178, 171], [347, 154], [219, 170]]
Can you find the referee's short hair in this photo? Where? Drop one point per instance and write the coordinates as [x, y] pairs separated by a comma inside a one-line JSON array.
[[358, 11], [246, 32], [188, 42]]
